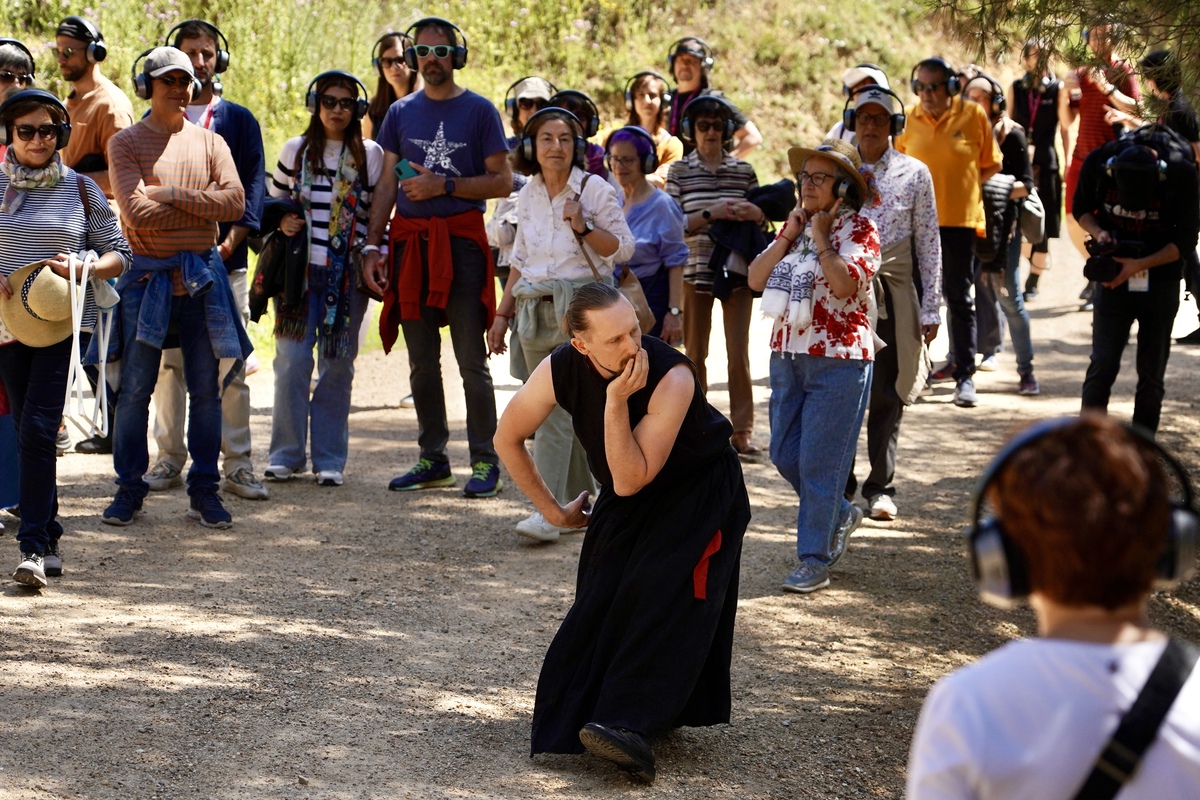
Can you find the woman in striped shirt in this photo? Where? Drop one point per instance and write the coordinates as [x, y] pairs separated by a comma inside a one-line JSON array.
[[49, 212], [331, 171]]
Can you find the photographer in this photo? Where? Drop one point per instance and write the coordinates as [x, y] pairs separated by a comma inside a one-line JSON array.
[[1137, 197]]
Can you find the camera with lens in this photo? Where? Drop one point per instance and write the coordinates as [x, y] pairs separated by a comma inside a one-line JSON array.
[[1102, 265]]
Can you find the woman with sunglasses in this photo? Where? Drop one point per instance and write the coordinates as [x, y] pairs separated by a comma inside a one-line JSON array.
[[396, 80], [816, 284], [648, 105], [16, 69], [49, 212], [569, 224], [331, 171]]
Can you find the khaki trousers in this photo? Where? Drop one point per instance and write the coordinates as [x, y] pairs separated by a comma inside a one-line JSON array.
[[697, 325]]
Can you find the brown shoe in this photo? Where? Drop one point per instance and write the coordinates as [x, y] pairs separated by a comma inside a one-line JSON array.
[[744, 445]]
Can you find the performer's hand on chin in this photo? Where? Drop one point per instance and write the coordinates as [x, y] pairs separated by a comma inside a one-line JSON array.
[[632, 377]]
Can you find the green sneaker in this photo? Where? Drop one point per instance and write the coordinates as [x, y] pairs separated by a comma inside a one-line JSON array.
[[485, 480], [425, 475]]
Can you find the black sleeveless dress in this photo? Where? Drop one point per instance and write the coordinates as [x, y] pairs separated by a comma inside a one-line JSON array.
[[648, 641]]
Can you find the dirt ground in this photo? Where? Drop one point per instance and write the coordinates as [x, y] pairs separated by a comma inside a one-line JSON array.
[[355, 643]]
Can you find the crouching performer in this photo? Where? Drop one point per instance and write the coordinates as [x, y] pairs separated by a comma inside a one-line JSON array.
[[646, 646]]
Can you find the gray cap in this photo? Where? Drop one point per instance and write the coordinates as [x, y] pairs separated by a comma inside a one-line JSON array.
[[167, 59], [869, 96], [534, 89]]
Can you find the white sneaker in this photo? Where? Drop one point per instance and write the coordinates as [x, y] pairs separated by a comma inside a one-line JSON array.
[[535, 527], [163, 476], [882, 507], [989, 364], [276, 472], [329, 477]]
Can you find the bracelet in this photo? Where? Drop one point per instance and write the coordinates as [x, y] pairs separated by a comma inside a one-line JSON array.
[[370, 248], [791, 242], [224, 250], [503, 316], [827, 250]]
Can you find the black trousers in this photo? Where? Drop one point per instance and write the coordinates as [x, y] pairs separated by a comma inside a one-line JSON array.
[[958, 275], [884, 411], [1116, 310]]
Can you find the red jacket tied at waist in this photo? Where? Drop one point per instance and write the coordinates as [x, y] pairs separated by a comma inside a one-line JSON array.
[[402, 298]]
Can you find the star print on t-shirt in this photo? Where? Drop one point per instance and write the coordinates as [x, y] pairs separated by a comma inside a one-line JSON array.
[[437, 152]]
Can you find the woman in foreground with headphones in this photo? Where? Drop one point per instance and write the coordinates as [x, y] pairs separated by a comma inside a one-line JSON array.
[[816, 284], [1085, 525], [570, 232], [396, 80], [647, 99], [49, 213], [331, 171]]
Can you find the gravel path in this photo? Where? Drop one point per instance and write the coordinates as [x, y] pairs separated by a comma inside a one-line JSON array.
[[356, 643]]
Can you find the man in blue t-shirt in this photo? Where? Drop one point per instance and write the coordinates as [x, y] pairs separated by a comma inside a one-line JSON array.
[[445, 155]]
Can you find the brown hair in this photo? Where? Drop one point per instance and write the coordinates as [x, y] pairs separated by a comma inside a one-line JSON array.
[[23, 107], [385, 95], [530, 166], [1089, 507], [634, 119], [589, 297], [313, 142]]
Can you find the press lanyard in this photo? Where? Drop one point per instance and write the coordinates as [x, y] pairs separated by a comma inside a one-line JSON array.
[[206, 118]]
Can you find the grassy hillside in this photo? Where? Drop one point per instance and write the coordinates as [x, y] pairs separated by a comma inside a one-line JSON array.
[[780, 61]]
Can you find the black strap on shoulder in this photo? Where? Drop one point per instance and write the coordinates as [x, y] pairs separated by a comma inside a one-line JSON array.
[[1139, 726], [83, 195]]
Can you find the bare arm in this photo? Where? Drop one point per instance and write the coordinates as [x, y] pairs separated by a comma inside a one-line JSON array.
[[749, 137], [636, 456], [1066, 117], [382, 203]]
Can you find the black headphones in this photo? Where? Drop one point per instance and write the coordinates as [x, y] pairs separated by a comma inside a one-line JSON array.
[[667, 96], [64, 128], [222, 61], [97, 50], [846, 90], [649, 160], [1000, 569], [999, 101], [529, 147], [510, 100], [312, 100], [706, 61], [593, 126], [410, 52], [141, 81], [954, 83], [21, 46], [1111, 165], [377, 50], [687, 125], [850, 115]]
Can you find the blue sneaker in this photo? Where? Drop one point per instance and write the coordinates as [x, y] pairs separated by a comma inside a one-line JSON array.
[[207, 508], [806, 578], [124, 507], [485, 480], [425, 475]]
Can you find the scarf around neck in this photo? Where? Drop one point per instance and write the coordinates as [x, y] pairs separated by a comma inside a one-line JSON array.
[[22, 178]]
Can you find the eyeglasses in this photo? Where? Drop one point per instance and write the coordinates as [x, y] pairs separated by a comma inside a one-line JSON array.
[[26, 132], [64, 53], [873, 119], [527, 103], [928, 87], [439, 50], [170, 81], [15, 77], [817, 179], [390, 62], [345, 103], [624, 161], [704, 126]]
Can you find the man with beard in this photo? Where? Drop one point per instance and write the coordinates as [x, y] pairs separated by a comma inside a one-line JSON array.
[[202, 42], [689, 62], [449, 145], [646, 647], [97, 107]]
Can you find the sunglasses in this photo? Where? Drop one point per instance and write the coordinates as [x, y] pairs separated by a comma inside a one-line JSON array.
[[873, 119], [817, 179], [438, 50], [928, 87], [64, 53], [26, 132], [390, 62], [14, 77], [345, 103], [170, 81], [704, 126], [526, 103]]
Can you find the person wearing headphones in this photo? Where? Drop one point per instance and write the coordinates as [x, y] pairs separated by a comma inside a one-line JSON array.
[[689, 63], [446, 153], [97, 107], [709, 185], [908, 320], [331, 172], [396, 80], [648, 101], [584, 108], [860, 76], [16, 65], [174, 182], [1101, 703], [204, 44], [816, 284], [954, 139], [570, 233], [49, 213]]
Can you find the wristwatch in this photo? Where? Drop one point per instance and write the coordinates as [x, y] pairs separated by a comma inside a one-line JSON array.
[[674, 311], [588, 227], [449, 187], [706, 214]]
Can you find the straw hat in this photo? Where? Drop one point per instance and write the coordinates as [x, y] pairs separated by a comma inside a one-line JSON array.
[[841, 153], [39, 312]]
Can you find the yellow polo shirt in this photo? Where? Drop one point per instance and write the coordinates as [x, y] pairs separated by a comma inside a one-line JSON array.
[[956, 147]]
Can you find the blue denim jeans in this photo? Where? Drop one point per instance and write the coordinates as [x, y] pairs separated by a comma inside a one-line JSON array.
[[139, 373], [817, 407], [1004, 290], [36, 381], [327, 411]]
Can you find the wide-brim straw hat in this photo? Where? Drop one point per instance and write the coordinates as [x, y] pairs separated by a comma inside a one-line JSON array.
[[39, 312], [840, 152]]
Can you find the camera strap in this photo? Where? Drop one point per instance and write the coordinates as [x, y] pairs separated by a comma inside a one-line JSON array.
[[1119, 759]]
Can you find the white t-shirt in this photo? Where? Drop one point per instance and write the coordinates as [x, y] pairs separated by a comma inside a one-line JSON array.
[[1029, 719]]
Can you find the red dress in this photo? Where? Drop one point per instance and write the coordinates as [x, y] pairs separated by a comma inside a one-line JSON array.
[[1093, 130]]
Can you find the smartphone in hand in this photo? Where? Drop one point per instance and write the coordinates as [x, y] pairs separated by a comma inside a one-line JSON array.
[[404, 170]]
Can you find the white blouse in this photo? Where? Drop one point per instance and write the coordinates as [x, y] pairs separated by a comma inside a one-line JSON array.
[[545, 247]]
